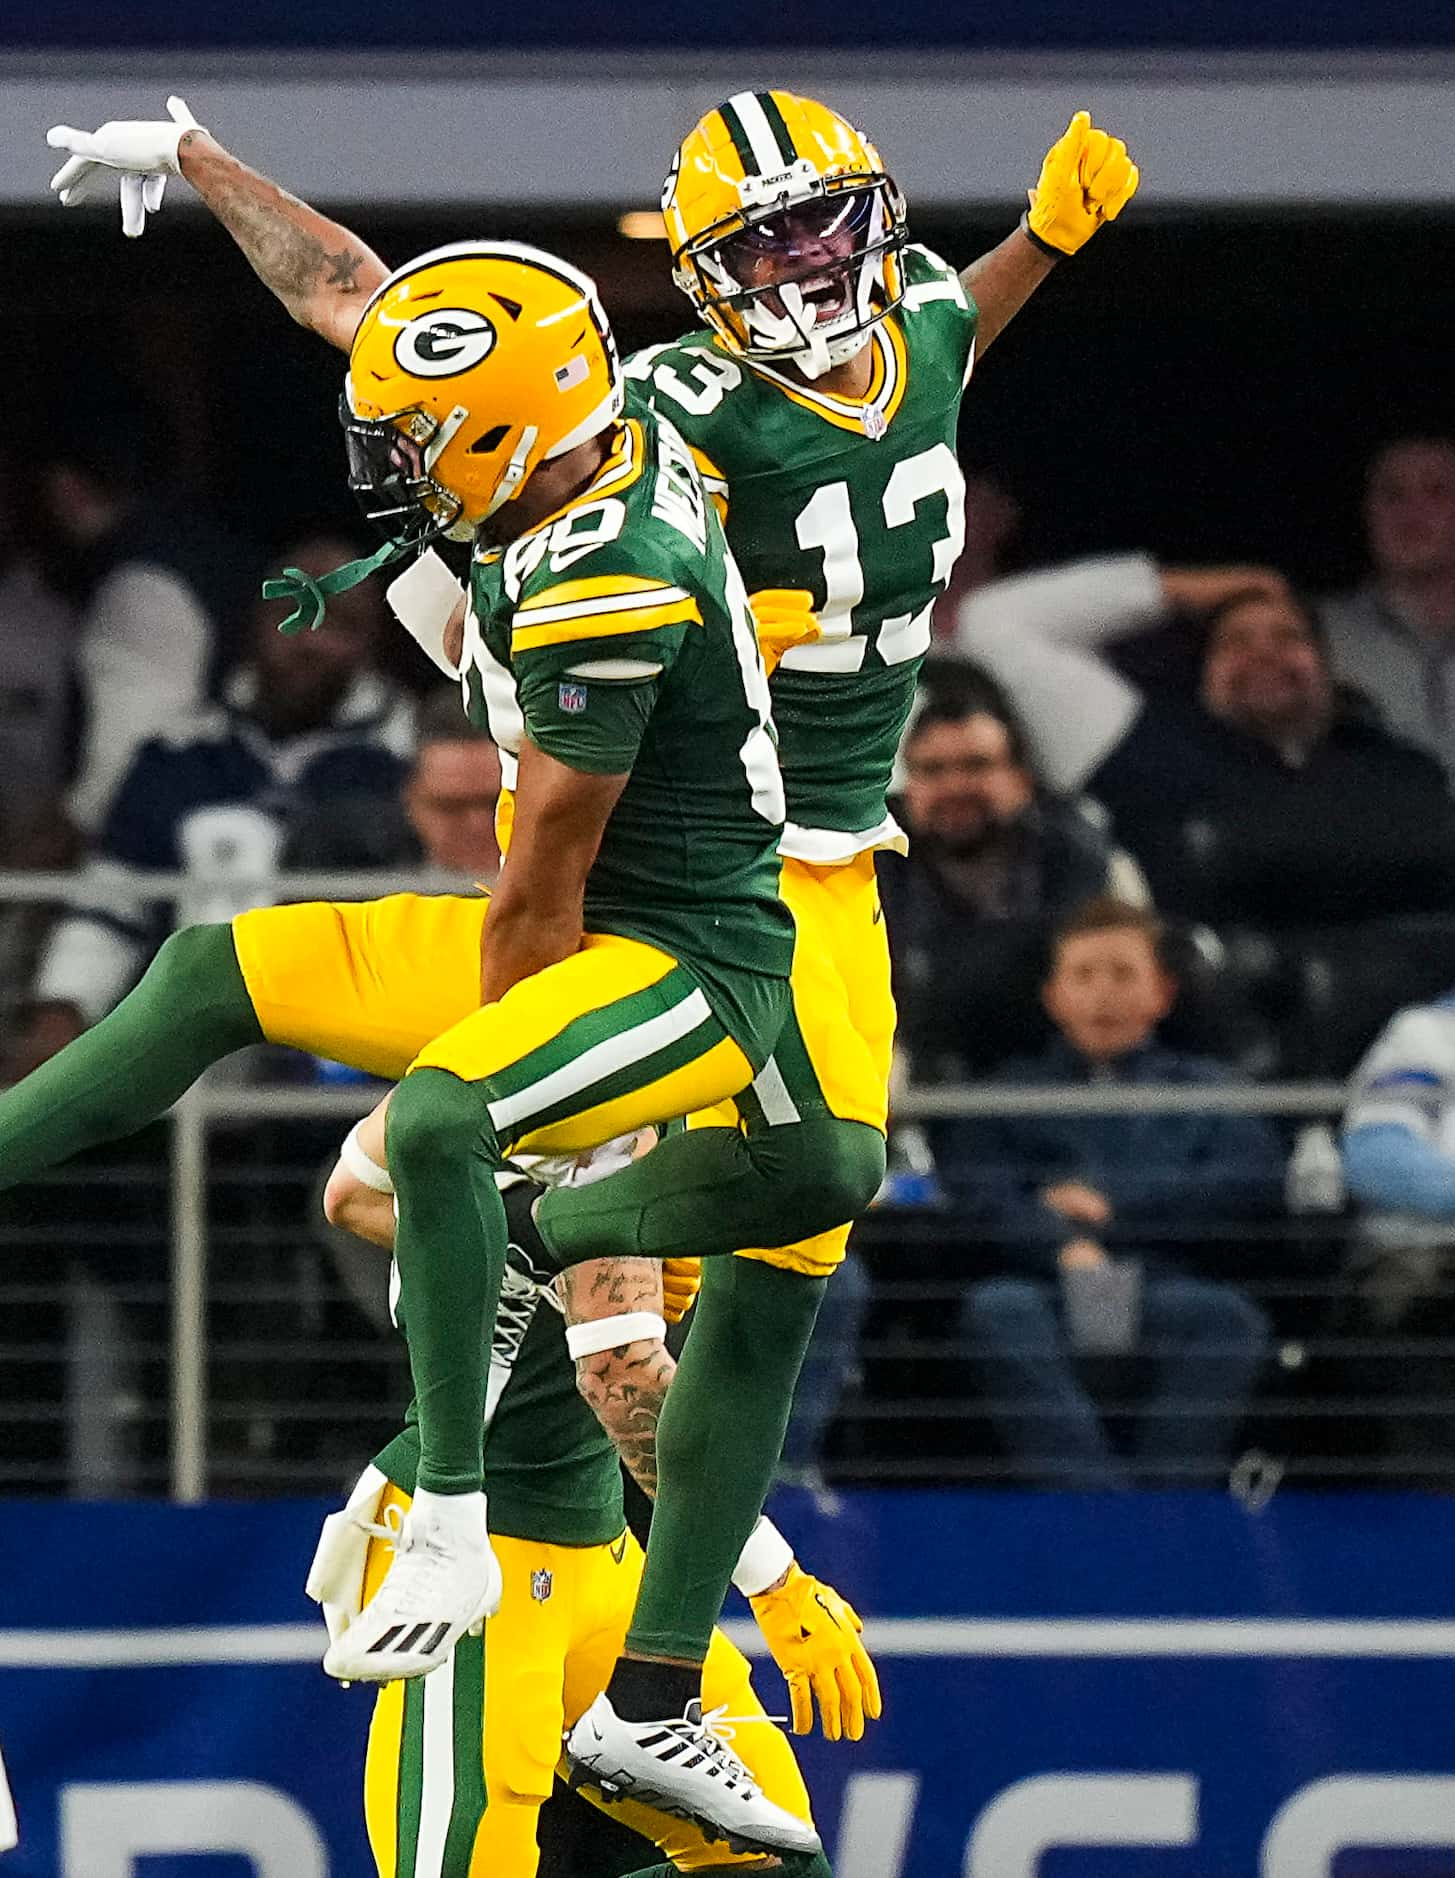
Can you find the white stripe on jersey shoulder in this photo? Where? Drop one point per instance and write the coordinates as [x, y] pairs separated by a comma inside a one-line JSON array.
[[618, 669], [646, 601], [754, 120]]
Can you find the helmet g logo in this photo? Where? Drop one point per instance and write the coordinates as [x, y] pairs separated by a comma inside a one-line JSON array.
[[443, 342]]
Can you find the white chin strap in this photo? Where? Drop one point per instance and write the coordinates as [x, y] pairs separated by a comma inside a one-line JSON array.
[[515, 469]]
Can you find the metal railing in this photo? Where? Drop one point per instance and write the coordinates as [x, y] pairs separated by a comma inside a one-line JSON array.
[[922, 1415], [132, 1331]]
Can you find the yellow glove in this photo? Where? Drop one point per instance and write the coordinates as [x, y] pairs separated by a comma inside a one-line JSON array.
[[784, 618], [681, 1282], [1086, 179], [814, 1637]]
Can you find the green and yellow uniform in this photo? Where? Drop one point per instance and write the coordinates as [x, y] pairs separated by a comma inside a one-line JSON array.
[[860, 501], [617, 636], [437, 1748]]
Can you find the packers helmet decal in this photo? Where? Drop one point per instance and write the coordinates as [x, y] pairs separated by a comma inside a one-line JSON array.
[[786, 229], [471, 366], [443, 342]]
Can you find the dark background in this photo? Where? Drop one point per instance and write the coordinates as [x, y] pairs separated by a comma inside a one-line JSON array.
[[1207, 388], [672, 24]]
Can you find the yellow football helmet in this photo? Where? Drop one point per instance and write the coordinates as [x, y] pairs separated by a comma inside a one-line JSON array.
[[786, 229], [472, 365]]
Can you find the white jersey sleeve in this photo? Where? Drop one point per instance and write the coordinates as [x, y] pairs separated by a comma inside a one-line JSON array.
[[1408, 1077]]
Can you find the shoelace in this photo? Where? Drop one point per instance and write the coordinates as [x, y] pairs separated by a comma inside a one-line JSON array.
[[388, 1529], [712, 1734], [426, 1556]]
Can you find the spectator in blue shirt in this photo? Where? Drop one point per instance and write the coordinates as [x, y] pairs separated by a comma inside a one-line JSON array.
[[1061, 1193], [305, 724]]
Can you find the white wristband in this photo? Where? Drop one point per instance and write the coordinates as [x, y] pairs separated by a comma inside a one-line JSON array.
[[606, 1333], [763, 1560], [364, 1168]]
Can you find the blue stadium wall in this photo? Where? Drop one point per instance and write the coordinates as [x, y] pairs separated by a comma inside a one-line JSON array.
[[1075, 1687]]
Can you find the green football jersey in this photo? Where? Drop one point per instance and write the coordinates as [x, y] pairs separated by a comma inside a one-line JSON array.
[[550, 1471], [618, 637], [859, 501]]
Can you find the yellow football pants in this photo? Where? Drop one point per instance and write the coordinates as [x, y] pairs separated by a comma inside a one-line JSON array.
[[841, 1038], [434, 1756], [372, 984]]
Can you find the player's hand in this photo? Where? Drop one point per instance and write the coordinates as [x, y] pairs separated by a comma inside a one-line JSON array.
[[784, 618], [1086, 179], [144, 151], [814, 1636], [681, 1282]]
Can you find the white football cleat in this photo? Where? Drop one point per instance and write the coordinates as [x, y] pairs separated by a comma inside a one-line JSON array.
[[445, 1580], [685, 1768]]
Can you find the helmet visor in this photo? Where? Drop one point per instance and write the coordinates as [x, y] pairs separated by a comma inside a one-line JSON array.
[[827, 250]]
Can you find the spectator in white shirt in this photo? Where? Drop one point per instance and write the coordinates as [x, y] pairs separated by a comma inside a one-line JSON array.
[[156, 583], [1394, 637]]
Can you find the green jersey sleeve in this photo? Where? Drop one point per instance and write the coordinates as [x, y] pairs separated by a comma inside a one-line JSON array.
[[589, 653]]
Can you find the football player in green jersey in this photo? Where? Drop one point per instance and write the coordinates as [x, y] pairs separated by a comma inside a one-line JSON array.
[[570, 1573], [820, 405]]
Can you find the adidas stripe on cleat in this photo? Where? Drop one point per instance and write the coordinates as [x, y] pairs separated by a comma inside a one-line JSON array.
[[686, 1768], [445, 1581]]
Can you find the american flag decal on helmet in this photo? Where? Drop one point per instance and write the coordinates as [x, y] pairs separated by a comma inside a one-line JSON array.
[[572, 373]]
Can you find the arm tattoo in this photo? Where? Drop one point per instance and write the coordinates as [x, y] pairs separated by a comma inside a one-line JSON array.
[[610, 1287], [295, 252], [627, 1393], [343, 270]]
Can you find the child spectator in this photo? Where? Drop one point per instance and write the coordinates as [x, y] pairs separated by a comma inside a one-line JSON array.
[[1063, 1194]]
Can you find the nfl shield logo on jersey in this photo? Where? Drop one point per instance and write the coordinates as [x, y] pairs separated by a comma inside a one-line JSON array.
[[540, 1585], [572, 699]]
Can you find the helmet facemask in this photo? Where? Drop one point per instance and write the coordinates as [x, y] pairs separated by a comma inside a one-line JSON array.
[[390, 461], [805, 276]]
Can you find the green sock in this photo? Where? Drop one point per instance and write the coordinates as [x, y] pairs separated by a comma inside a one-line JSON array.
[[713, 1190], [718, 1444], [788, 1865], [190, 1010], [450, 1249]]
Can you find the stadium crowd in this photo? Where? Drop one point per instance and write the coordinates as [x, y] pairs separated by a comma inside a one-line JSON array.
[[1168, 826]]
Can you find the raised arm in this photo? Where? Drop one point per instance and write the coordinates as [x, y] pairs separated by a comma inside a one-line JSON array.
[[1086, 180], [320, 270]]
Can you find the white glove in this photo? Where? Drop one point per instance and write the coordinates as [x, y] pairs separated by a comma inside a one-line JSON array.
[[145, 152]]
